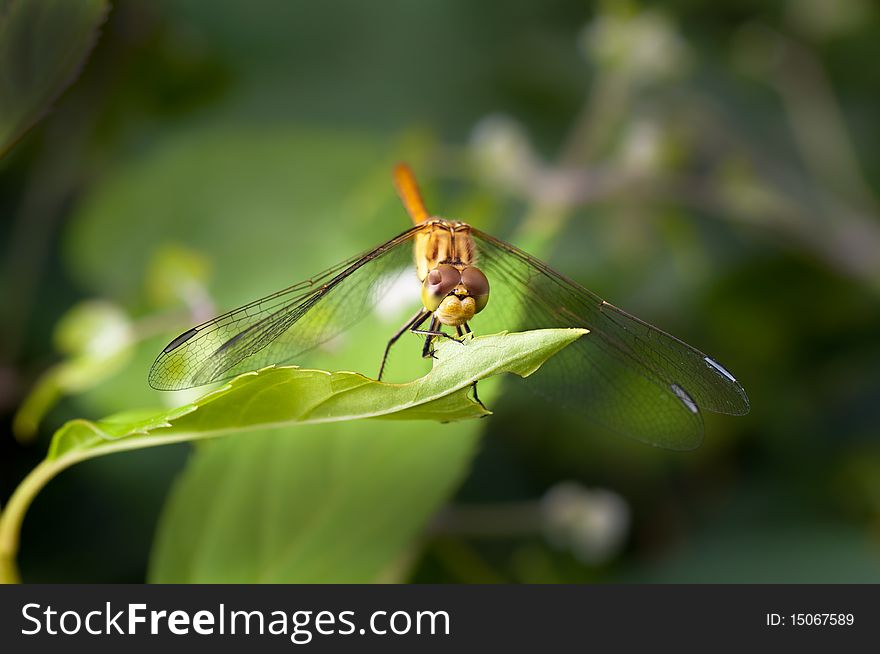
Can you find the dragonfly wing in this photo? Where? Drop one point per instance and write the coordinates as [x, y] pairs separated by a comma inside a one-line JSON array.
[[281, 326], [625, 374]]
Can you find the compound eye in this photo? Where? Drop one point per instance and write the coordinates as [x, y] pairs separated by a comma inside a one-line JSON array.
[[477, 285], [438, 284]]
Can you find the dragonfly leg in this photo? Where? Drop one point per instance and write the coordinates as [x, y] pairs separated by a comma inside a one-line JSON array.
[[461, 330], [432, 332], [410, 325], [477, 397]]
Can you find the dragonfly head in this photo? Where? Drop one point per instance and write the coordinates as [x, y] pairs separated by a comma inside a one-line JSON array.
[[455, 293]]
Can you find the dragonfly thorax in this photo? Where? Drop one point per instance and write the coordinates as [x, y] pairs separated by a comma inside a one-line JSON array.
[[442, 241]]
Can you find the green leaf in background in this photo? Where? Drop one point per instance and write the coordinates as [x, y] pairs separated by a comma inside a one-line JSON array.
[[255, 202], [287, 395], [43, 45], [318, 504]]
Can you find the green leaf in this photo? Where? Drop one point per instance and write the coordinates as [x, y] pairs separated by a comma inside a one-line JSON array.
[[276, 396], [310, 504], [43, 45], [280, 396]]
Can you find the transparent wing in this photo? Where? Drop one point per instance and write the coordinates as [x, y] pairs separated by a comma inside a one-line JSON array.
[[625, 374], [281, 326]]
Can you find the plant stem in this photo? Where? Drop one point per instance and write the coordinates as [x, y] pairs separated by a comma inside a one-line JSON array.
[[13, 515]]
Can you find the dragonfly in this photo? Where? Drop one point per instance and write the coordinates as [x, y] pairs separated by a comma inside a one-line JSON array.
[[624, 374]]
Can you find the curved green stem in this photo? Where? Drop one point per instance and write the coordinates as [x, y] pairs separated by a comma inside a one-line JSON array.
[[12, 516]]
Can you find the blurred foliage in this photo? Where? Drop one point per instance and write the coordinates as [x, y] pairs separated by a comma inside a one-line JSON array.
[[95, 337], [42, 47], [710, 167]]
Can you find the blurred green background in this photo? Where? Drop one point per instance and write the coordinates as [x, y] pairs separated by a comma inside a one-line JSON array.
[[710, 167]]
